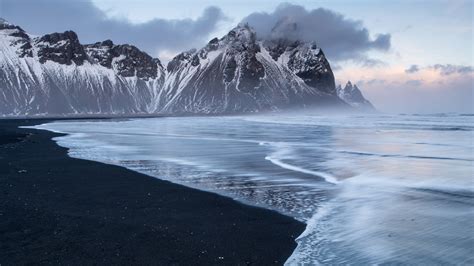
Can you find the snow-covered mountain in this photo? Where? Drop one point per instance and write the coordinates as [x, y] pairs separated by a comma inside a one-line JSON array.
[[55, 74], [352, 95], [239, 73]]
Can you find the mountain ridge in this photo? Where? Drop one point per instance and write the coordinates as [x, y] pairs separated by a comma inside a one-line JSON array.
[[237, 73], [55, 74]]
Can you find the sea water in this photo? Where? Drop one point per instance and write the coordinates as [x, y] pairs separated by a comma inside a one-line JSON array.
[[372, 189]]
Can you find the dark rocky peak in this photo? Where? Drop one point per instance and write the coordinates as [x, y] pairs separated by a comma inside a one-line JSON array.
[[276, 47], [4, 25], [241, 45], [243, 33], [126, 60], [352, 95], [13, 30], [107, 43], [213, 44], [63, 48], [100, 53], [303, 58], [182, 59], [308, 62], [240, 39], [21, 39], [352, 92], [236, 50], [131, 61]]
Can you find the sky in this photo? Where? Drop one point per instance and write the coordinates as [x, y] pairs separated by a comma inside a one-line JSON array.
[[406, 56]]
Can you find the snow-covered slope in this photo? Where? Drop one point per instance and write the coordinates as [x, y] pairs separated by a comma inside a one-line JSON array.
[[239, 73], [352, 95], [55, 75]]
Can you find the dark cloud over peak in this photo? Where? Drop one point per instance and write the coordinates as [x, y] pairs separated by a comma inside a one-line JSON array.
[[92, 24], [341, 38]]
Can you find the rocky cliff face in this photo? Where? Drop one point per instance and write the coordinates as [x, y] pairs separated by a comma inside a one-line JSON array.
[[239, 73], [55, 74], [62, 48], [352, 95], [126, 60]]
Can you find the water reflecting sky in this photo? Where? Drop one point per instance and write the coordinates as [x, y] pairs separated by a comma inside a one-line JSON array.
[[372, 189]]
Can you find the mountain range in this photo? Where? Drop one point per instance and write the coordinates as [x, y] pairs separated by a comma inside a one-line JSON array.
[[55, 74]]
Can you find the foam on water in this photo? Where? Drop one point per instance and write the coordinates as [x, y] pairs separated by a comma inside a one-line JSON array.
[[372, 189], [282, 151]]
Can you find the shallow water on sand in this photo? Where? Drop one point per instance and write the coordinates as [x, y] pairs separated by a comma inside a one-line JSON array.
[[372, 189]]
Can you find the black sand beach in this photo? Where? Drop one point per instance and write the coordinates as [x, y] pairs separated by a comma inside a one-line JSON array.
[[58, 210]]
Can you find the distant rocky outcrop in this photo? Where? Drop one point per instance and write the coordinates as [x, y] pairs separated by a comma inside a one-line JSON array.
[[352, 95]]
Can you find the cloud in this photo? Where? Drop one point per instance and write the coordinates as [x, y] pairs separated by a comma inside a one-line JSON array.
[[341, 38], [412, 69], [92, 24], [444, 70], [426, 91], [449, 69], [369, 62]]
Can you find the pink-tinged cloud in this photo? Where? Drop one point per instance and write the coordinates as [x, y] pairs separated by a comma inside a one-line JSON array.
[[438, 88]]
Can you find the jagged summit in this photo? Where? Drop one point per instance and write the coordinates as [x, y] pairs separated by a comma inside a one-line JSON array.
[[239, 72], [127, 60], [243, 33], [55, 74], [352, 95], [65, 48], [5, 25]]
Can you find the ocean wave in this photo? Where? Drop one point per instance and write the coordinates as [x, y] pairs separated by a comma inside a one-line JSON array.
[[406, 156], [459, 195], [329, 178], [449, 128]]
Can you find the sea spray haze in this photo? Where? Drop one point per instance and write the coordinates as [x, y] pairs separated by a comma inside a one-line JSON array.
[[372, 189]]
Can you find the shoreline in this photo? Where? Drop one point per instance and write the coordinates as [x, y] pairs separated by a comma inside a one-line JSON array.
[[58, 209]]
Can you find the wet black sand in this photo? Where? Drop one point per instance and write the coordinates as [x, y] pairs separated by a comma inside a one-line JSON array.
[[58, 210]]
